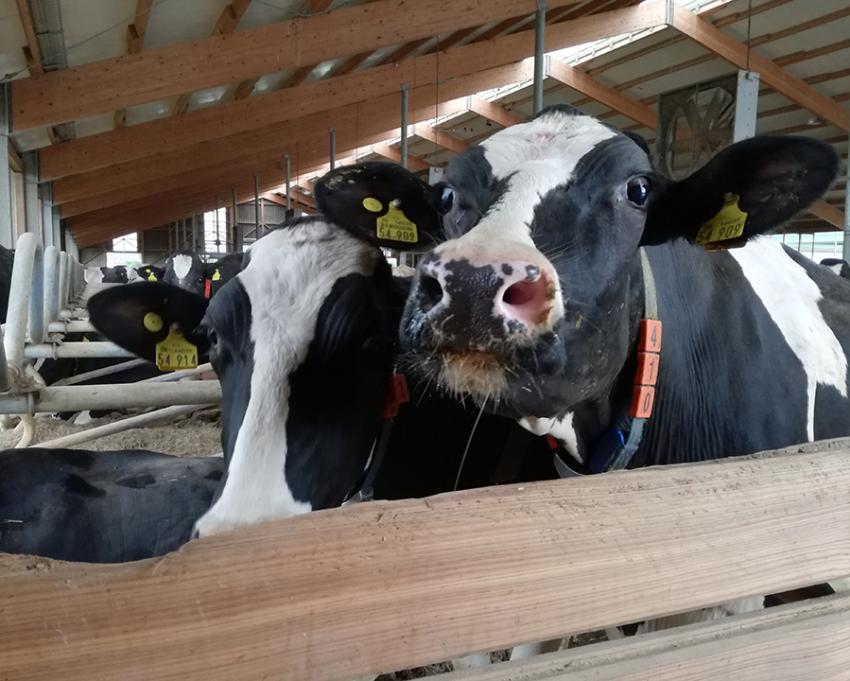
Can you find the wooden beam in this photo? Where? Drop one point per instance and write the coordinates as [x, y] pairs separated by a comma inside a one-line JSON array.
[[605, 94], [317, 6], [32, 51], [713, 39], [440, 138], [493, 112], [414, 163], [807, 640], [16, 163], [340, 594], [139, 141], [828, 213], [139, 26], [226, 23], [95, 88]]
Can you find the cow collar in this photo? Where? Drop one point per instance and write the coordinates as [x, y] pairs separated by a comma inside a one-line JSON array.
[[616, 447]]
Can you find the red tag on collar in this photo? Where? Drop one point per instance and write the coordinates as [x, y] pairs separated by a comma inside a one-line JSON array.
[[554, 445], [207, 288], [396, 396]]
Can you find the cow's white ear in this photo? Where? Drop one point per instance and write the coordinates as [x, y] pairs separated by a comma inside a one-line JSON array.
[[138, 316], [381, 203], [752, 187]]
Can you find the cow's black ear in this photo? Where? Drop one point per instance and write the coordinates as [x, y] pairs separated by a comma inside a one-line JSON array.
[[138, 316], [749, 188], [381, 203]]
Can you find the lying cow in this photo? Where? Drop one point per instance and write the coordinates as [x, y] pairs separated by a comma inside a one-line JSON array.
[[840, 267]]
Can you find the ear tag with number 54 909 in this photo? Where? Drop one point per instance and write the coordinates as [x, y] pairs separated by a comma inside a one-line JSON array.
[[176, 353]]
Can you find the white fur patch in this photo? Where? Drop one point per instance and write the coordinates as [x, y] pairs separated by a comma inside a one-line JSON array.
[[181, 264], [287, 280], [560, 428], [791, 299], [836, 268]]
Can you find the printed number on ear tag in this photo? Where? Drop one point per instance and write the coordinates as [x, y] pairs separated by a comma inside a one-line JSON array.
[[395, 226], [727, 225], [176, 353]]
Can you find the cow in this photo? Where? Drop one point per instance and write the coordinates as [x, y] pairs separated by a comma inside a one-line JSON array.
[[840, 267], [150, 273], [106, 275], [186, 270], [101, 507], [7, 260], [302, 340], [564, 248]]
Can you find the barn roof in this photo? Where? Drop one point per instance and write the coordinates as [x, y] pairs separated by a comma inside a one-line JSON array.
[[146, 111]]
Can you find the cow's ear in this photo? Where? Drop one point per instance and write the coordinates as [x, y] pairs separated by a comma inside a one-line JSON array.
[[138, 316], [749, 188], [381, 203]]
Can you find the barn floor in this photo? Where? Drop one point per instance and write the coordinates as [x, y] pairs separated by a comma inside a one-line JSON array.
[[194, 435]]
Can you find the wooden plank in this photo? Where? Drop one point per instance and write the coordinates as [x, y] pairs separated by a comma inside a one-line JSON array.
[[387, 585], [139, 26], [440, 138], [414, 163], [171, 134], [827, 213], [376, 117], [110, 84], [494, 112], [809, 640], [580, 81], [32, 51], [726, 47]]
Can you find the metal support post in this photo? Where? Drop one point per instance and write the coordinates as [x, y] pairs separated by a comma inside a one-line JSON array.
[[539, 31], [32, 214], [238, 234], [57, 226], [47, 213], [846, 247], [7, 232], [746, 105], [287, 176], [405, 105], [332, 147], [256, 206]]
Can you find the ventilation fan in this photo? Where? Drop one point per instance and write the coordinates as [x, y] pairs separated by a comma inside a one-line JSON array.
[[695, 123]]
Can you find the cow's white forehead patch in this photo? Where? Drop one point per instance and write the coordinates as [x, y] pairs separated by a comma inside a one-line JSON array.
[[289, 276], [181, 264], [537, 156]]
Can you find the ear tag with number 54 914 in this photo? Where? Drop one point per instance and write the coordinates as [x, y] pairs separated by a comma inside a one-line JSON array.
[[175, 352]]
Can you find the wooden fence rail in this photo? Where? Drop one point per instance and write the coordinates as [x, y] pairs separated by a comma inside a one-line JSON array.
[[390, 585]]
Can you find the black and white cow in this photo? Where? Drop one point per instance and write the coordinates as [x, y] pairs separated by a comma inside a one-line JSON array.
[[532, 306], [106, 275], [7, 260], [186, 270], [840, 267], [150, 273], [101, 507], [303, 343]]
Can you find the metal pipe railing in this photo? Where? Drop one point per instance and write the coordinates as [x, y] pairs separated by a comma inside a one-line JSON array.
[[81, 349], [77, 398], [71, 326], [26, 301], [51, 285], [100, 373]]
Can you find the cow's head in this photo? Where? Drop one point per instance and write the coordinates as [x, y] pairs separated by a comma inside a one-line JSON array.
[[532, 303], [185, 270], [150, 272], [301, 342]]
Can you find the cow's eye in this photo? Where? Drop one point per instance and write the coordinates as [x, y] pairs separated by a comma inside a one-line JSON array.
[[638, 190], [447, 199]]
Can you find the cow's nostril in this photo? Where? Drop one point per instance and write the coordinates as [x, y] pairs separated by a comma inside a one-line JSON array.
[[430, 291], [527, 301]]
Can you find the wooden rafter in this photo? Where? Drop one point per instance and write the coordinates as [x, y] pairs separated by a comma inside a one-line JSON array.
[[123, 81], [828, 213], [135, 43], [391, 153], [493, 112], [441, 138], [32, 51], [227, 22], [173, 134], [713, 39]]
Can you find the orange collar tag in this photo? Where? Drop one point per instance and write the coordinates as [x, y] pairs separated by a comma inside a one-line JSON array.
[[396, 396], [207, 288]]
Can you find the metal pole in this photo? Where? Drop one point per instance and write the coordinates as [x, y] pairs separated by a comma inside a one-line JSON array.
[[287, 176], [32, 215], [47, 213], [256, 206], [7, 232], [846, 248], [405, 105], [539, 30], [194, 232], [332, 147], [238, 236]]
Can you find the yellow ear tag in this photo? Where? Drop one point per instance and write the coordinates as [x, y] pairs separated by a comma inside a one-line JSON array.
[[151, 276], [395, 226], [216, 276], [372, 204], [176, 353], [727, 224], [152, 322]]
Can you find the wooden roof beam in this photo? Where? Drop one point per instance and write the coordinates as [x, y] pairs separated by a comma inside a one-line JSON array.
[[227, 22], [110, 84], [170, 134], [726, 47], [828, 213], [135, 43], [440, 138], [493, 112], [389, 152], [32, 51]]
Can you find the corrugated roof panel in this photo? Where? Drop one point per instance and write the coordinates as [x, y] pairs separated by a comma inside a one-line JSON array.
[[96, 29], [12, 41]]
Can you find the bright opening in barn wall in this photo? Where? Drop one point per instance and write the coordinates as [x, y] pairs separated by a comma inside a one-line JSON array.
[[124, 251]]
